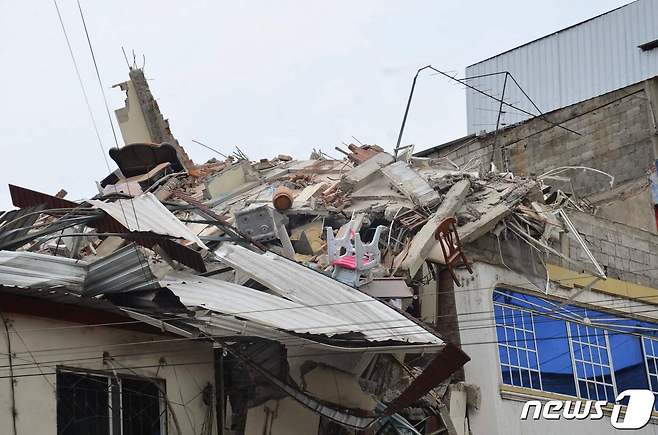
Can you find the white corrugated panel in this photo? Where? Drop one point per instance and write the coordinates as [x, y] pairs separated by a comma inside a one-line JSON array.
[[581, 62], [147, 213], [29, 269], [376, 320], [254, 305]]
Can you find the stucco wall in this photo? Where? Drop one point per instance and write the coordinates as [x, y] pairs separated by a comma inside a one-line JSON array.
[[498, 416], [186, 368]]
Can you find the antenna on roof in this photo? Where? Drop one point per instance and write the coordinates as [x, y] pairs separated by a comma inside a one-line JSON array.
[[125, 57]]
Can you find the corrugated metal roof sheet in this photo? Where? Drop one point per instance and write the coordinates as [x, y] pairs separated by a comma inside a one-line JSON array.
[[151, 216], [29, 269], [376, 320], [123, 270], [574, 64], [15, 224], [254, 305]]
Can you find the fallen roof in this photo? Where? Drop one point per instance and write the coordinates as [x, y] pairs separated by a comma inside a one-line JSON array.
[[32, 270], [307, 287], [146, 213]]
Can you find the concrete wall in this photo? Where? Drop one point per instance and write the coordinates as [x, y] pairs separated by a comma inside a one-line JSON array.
[[616, 137], [187, 367], [131, 120], [626, 253], [498, 415], [282, 417]]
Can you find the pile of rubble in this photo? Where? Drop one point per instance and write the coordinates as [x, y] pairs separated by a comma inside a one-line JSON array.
[[322, 253]]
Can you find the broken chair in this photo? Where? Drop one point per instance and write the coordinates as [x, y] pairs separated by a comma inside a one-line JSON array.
[[350, 257], [453, 253]]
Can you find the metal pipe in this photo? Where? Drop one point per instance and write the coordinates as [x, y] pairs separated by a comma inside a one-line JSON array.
[[500, 112], [499, 100], [406, 110]]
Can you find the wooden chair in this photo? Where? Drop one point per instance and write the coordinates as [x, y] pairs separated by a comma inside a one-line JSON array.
[[446, 234]]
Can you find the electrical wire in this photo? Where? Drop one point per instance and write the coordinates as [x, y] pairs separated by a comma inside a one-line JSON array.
[[82, 86], [378, 323], [325, 353], [456, 291], [114, 134]]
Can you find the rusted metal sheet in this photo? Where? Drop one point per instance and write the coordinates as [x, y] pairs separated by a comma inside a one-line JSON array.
[[22, 197]]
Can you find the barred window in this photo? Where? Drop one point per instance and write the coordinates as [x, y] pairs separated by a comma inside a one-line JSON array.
[[591, 355], [98, 404], [651, 359], [517, 347], [573, 350]]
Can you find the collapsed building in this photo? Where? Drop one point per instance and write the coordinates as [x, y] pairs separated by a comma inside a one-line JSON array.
[[375, 294]]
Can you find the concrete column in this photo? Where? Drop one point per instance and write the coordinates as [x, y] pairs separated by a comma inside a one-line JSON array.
[[447, 322]]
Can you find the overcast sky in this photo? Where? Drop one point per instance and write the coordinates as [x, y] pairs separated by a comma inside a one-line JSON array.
[[269, 76]]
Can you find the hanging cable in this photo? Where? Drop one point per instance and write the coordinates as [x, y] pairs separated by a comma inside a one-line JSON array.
[[12, 379], [82, 86]]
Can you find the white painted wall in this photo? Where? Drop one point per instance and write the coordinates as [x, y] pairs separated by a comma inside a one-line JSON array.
[[498, 416], [51, 342]]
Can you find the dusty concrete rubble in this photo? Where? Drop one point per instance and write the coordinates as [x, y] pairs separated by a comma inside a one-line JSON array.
[[316, 264]]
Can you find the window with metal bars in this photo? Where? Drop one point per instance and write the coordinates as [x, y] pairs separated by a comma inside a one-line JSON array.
[[517, 347], [547, 345], [650, 347], [93, 403], [591, 356]]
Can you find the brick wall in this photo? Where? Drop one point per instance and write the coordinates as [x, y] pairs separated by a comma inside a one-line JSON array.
[[627, 253], [615, 137]]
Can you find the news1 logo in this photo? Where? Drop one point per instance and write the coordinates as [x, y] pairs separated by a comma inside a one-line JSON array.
[[638, 410]]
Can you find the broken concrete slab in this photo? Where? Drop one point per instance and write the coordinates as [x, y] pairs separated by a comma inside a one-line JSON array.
[[422, 244], [474, 230], [365, 172], [230, 179], [411, 184]]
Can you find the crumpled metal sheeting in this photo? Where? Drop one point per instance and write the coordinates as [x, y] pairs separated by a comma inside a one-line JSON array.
[[216, 325], [152, 216], [378, 321], [124, 270], [254, 305], [30, 270]]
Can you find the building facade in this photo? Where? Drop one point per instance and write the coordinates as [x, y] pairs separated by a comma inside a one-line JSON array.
[[602, 149], [62, 373], [568, 344], [597, 56]]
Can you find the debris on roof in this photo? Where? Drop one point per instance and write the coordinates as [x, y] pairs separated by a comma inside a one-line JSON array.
[[319, 253]]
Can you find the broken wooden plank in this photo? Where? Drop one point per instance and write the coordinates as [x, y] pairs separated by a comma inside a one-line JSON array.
[[422, 244], [411, 184]]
